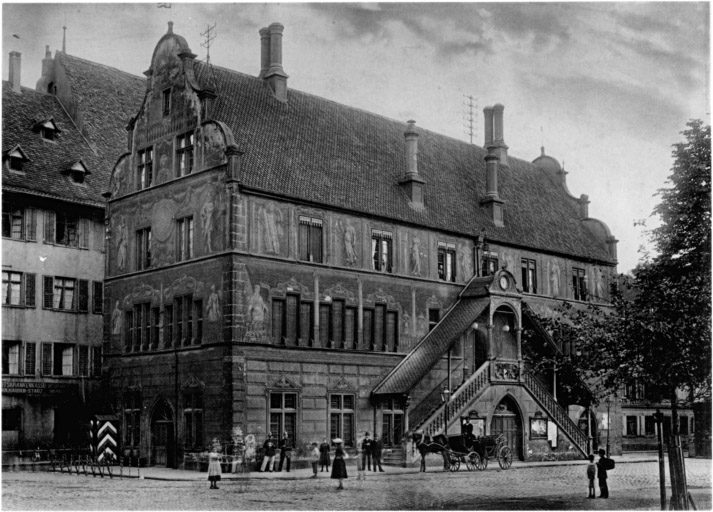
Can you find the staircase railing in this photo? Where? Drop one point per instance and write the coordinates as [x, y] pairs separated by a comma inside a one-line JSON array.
[[464, 395], [555, 411], [430, 402]]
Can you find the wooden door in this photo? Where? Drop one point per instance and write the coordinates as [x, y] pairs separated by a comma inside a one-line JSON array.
[[508, 423], [160, 442]]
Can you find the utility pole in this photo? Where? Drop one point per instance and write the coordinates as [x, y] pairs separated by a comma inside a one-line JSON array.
[[208, 39], [469, 116]]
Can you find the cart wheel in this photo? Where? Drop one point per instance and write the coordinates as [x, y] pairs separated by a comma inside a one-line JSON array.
[[454, 463], [472, 461], [482, 463], [505, 457]]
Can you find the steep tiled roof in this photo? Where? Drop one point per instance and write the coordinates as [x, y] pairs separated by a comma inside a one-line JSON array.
[[48, 159], [107, 99], [313, 149], [431, 348]]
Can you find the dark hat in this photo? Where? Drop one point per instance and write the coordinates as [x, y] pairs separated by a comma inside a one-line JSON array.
[[366, 433]]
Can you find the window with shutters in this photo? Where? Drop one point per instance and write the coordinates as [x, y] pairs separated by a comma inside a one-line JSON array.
[[381, 250], [97, 297], [19, 223], [184, 154], [132, 417], [341, 417], [63, 360], [61, 293], [279, 331], [83, 303], [144, 168], [12, 288], [292, 320], [283, 415], [10, 357], [324, 325], [350, 328], [392, 335], [579, 283], [83, 360], [193, 418], [337, 328], [47, 359], [379, 328], [96, 361], [310, 239], [306, 324], [446, 262], [184, 238], [168, 326], [143, 248], [30, 358], [529, 276]]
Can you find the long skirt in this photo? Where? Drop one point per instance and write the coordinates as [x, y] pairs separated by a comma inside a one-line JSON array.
[[324, 459], [214, 471], [339, 468]]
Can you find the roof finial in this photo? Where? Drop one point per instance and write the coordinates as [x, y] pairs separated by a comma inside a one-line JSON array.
[[64, 39], [170, 27]]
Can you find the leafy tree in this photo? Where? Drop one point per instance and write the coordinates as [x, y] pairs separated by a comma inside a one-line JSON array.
[[657, 331]]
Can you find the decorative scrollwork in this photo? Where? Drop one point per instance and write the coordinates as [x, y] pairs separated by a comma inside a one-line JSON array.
[[506, 371]]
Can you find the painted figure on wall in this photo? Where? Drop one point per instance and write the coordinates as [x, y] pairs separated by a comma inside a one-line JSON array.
[[598, 284], [121, 242], [213, 306], [466, 266], [116, 319], [271, 219], [349, 244], [257, 310], [207, 222], [416, 256], [554, 272]]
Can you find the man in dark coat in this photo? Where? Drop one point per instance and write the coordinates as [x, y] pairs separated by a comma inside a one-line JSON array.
[[366, 452], [376, 448], [285, 451], [467, 431], [268, 447], [602, 466]]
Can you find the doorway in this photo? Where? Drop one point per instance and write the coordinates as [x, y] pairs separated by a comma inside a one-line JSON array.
[[506, 420], [162, 435], [392, 424]]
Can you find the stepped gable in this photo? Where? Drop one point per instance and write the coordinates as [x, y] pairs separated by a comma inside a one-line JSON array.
[[313, 149], [43, 172], [106, 99]]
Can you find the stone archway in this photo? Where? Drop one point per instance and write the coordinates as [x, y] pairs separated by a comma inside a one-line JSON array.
[[162, 435], [506, 419]]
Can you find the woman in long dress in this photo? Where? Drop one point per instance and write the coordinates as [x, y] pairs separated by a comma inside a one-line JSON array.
[[339, 467], [214, 470]]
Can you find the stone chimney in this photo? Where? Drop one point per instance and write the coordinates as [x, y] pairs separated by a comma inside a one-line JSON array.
[[276, 76], [47, 62], [264, 51], [494, 131], [412, 182], [584, 206], [14, 74], [492, 199]]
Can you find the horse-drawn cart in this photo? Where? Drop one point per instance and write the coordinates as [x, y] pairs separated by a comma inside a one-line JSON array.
[[474, 452]]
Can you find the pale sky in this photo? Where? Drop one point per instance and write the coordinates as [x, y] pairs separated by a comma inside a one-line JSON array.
[[606, 87]]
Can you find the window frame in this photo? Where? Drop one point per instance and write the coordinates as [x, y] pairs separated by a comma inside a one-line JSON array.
[[528, 268], [447, 262], [579, 283], [310, 239], [184, 238], [11, 357], [382, 253], [193, 418], [166, 102], [144, 168], [339, 413], [185, 160], [133, 405], [282, 412], [143, 248]]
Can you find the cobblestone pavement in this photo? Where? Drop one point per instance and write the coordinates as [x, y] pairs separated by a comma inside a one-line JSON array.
[[557, 487]]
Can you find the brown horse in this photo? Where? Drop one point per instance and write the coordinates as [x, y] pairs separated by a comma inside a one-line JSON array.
[[431, 444]]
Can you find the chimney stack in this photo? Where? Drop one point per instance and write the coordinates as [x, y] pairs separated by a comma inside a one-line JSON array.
[[584, 206], [14, 74], [276, 76], [492, 199], [412, 182], [264, 51], [494, 131], [47, 62]]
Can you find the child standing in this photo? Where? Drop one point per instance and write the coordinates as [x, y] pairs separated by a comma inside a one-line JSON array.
[[214, 470], [339, 467], [591, 473], [314, 459]]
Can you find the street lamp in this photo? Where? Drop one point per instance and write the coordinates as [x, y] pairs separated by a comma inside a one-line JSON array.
[[445, 395]]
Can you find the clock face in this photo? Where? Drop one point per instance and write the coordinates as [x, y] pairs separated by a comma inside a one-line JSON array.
[[503, 282]]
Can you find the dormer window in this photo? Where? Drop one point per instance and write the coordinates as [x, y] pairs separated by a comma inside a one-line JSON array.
[[47, 128], [16, 159], [166, 102], [77, 172]]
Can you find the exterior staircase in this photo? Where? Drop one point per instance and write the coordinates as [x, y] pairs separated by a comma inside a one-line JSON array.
[[471, 389]]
